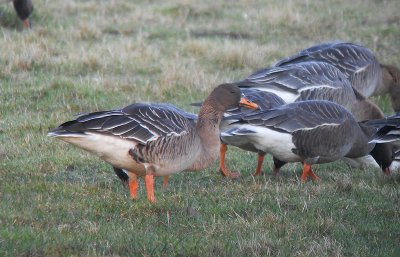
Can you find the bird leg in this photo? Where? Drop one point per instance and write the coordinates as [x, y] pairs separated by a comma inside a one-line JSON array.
[[165, 183], [260, 160], [149, 182], [307, 172], [222, 168], [133, 185]]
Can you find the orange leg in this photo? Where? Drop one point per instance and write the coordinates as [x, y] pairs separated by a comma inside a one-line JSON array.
[[149, 181], [307, 172], [259, 164], [133, 186], [222, 168], [165, 183]]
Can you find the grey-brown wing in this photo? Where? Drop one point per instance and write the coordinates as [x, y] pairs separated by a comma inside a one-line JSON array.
[[310, 80], [139, 122], [305, 115], [349, 58]]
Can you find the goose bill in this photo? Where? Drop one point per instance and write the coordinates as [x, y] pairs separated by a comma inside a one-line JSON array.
[[246, 103], [27, 24]]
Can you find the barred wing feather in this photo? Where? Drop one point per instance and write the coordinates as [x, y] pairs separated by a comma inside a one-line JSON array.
[[139, 122]]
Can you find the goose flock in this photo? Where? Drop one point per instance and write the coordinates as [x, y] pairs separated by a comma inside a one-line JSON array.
[[311, 108]]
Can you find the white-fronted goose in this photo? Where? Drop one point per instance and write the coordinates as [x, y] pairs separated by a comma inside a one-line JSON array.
[[23, 8], [152, 139], [315, 132], [359, 64]]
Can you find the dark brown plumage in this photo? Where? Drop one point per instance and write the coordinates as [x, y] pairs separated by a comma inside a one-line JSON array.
[[24, 9]]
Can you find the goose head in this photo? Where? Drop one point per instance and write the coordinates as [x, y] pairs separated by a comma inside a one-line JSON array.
[[228, 96], [24, 9], [383, 155]]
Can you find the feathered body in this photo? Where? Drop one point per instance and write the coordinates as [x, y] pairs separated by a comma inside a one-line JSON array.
[[154, 139], [315, 132]]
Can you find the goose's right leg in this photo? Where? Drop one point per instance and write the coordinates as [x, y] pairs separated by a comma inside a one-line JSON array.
[[222, 168], [260, 161], [149, 181]]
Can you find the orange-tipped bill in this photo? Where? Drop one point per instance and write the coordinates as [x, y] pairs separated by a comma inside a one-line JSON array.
[[246, 103], [27, 24]]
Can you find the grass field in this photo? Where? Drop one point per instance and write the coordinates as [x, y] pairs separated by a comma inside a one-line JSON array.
[[81, 56]]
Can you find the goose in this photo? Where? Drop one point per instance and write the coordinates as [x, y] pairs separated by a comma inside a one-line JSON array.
[[308, 80], [315, 132], [23, 8], [312, 80], [360, 66], [154, 139], [264, 100]]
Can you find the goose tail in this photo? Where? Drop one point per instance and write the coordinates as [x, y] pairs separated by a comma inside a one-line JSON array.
[[387, 129]]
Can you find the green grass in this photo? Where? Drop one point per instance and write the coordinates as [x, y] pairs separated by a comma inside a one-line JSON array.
[[80, 56]]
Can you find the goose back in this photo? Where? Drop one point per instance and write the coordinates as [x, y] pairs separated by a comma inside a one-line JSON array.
[[357, 62], [303, 81]]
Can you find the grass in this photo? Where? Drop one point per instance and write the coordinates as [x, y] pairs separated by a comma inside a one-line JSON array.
[[80, 56]]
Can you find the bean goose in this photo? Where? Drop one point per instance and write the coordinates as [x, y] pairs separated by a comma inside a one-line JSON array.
[[23, 8], [315, 132], [265, 101], [359, 65], [154, 139], [312, 80], [309, 80]]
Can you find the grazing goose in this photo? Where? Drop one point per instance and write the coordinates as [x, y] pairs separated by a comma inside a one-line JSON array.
[[265, 101], [312, 80], [154, 139], [23, 8], [309, 80], [359, 65], [315, 132]]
